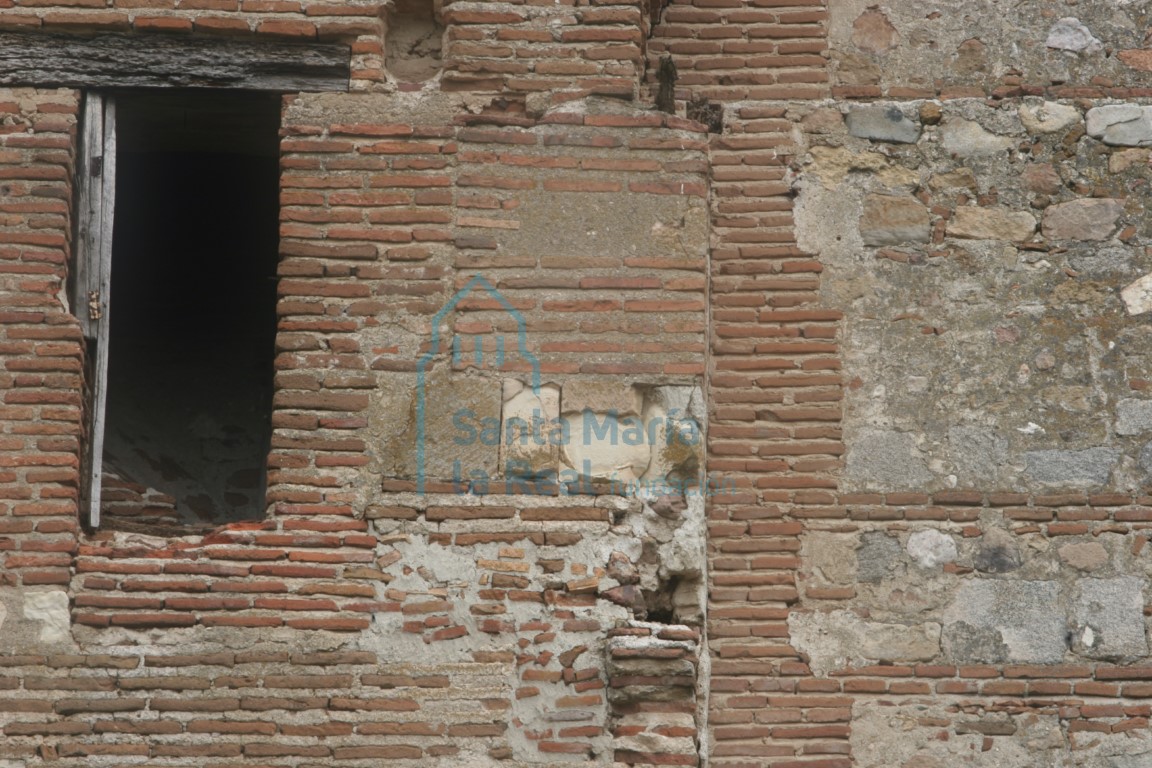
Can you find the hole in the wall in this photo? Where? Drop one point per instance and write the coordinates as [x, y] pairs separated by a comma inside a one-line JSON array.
[[661, 602], [666, 76], [193, 308], [703, 111], [412, 45]]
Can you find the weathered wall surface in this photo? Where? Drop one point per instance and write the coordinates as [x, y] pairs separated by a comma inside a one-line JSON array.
[[976, 49], [977, 582], [982, 267], [889, 313]]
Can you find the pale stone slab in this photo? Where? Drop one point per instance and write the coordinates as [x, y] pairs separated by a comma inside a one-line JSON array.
[[834, 640], [1026, 614], [1000, 223], [50, 607], [606, 446], [1133, 416], [1121, 125], [968, 138], [1048, 117], [1070, 34], [893, 220], [1092, 219], [931, 548], [882, 123], [1137, 295]]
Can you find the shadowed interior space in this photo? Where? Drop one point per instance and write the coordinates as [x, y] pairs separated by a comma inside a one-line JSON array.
[[192, 307]]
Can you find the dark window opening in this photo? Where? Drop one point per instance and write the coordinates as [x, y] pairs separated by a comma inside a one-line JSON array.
[[192, 307]]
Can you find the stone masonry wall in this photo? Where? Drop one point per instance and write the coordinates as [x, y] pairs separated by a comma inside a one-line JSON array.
[[872, 299], [978, 580]]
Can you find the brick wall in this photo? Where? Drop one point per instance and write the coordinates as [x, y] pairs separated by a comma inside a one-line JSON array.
[[362, 621], [41, 340]]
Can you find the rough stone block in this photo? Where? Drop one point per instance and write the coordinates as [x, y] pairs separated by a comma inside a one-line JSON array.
[[1048, 116], [968, 138], [1137, 295], [833, 639], [999, 223], [1086, 556], [530, 439], [894, 220], [967, 644], [977, 453], [931, 548], [1133, 417], [1070, 34], [997, 552], [1082, 219], [51, 607], [461, 427], [1087, 467], [1121, 125], [882, 123], [886, 459], [1026, 614], [1108, 615], [877, 557], [601, 395]]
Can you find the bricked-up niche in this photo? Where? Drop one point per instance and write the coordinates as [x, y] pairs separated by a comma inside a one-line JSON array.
[[192, 325], [413, 41]]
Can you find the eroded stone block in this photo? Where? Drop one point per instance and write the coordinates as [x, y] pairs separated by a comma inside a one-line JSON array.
[[833, 640], [1048, 116], [530, 442], [1070, 34], [1108, 615], [893, 220], [1087, 467], [1091, 219], [1121, 125], [998, 223], [1026, 614], [931, 548], [887, 459], [882, 123]]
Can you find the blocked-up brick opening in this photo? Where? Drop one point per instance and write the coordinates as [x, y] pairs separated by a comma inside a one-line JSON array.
[[193, 318], [413, 41]]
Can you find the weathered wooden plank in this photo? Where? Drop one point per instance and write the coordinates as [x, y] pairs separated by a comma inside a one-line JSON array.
[[88, 211], [96, 177], [147, 61], [104, 325]]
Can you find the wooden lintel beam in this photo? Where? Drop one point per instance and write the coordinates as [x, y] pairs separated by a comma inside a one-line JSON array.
[[109, 60]]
